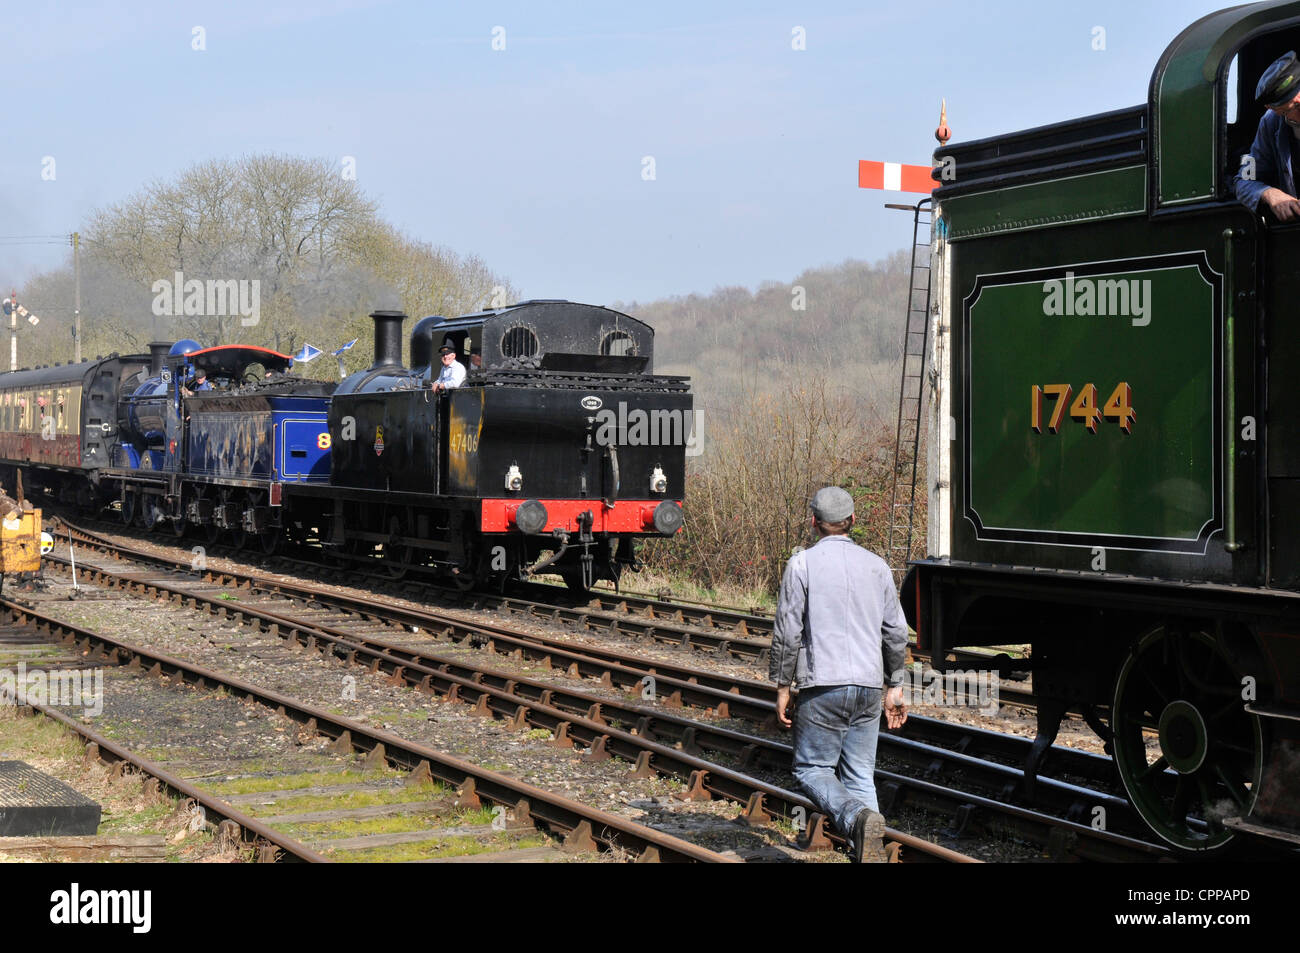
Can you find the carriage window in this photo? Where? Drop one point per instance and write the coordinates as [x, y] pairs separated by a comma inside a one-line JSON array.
[[617, 344], [519, 342]]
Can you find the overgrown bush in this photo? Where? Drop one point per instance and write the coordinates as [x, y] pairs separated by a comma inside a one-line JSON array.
[[765, 455]]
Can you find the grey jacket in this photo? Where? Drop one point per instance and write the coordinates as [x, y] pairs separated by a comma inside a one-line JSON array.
[[838, 621]]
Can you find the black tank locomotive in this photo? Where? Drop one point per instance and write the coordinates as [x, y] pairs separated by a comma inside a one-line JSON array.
[[560, 448]]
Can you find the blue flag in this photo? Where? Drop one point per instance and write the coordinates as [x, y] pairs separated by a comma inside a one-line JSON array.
[[346, 347], [308, 353]]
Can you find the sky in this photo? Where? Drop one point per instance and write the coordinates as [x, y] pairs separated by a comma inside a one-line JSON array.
[[591, 151]]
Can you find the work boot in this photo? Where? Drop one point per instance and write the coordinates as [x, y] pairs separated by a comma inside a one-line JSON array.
[[868, 838]]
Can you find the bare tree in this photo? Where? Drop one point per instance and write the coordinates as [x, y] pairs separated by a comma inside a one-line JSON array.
[[314, 243]]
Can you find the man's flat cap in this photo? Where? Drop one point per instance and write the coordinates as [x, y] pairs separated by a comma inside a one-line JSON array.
[[447, 346], [1280, 82], [831, 504]]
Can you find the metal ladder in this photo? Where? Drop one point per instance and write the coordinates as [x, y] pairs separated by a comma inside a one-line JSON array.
[[907, 433]]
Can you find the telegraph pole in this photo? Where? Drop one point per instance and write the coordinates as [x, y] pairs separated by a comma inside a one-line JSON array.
[[76, 270], [13, 331]]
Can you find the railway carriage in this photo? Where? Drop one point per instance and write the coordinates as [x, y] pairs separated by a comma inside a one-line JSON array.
[[59, 424], [1115, 436]]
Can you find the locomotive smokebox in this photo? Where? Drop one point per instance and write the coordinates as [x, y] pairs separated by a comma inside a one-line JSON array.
[[388, 338], [157, 352]]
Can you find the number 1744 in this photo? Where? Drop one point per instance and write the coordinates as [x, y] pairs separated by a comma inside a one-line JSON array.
[[1084, 408]]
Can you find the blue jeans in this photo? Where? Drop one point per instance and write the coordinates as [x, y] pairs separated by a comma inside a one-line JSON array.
[[835, 732]]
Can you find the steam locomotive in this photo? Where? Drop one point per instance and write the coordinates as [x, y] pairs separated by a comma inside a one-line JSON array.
[[1114, 474], [560, 449]]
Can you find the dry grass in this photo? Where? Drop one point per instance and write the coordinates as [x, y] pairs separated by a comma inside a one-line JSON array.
[[747, 494], [126, 808]]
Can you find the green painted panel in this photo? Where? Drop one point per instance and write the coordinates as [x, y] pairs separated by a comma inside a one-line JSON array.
[[1157, 481], [1185, 117], [1080, 198]]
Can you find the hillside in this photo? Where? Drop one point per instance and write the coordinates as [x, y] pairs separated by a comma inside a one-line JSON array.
[[735, 340], [792, 400]]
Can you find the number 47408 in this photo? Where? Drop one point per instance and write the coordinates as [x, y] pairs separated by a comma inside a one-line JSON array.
[[1084, 408]]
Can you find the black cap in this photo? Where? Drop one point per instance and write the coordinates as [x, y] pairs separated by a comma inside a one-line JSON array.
[[447, 346], [1280, 82]]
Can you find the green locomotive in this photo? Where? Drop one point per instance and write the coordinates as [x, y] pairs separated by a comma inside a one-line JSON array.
[[1114, 460]]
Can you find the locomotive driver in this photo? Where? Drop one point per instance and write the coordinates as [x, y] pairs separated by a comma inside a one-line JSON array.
[[453, 371], [840, 633], [1271, 182]]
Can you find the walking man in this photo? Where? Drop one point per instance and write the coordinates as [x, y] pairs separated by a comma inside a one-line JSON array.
[[839, 631]]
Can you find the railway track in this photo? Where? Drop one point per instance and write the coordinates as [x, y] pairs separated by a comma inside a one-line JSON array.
[[471, 787], [683, 684], [740, 635], [593, 722], [720, 630], [702, 779]]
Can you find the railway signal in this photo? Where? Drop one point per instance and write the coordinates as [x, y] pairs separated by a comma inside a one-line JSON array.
[[13, 311], [900, 177]]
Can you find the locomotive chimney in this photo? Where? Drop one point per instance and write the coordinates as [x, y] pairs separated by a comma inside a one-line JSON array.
[[157, 352], [388, 338]]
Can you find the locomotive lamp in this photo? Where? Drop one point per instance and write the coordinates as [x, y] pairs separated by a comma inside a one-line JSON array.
[[658, 482], [514, 479]]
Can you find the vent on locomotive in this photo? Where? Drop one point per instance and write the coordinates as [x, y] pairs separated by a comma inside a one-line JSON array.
[[519, 342], [617, 344]]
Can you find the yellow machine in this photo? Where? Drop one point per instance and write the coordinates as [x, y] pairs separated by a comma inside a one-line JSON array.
[[20, 543]]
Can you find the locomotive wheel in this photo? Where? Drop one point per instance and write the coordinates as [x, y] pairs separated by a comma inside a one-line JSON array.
[[128, 509], [180, 524], [467, 579], [1210, 752], [397, 559], [269, 540], [146, 512]]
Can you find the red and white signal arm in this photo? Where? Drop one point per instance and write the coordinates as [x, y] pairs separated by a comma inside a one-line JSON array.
[[895, 177]]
